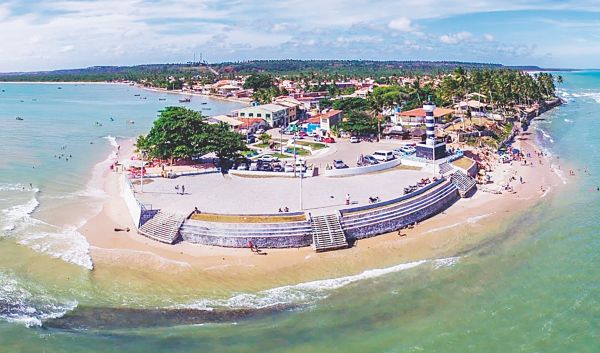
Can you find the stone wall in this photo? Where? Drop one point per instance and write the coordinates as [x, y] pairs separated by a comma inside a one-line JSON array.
[[417, 213], [237, 235]]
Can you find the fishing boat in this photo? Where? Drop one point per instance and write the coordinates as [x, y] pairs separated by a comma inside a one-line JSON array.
[[204, 103], [185, 100], [136, 95], [162, 99], [19, 118]]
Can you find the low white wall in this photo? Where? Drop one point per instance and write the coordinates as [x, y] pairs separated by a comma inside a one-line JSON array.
[[309, 173], [413, 163], [362, 170], [135, 210]]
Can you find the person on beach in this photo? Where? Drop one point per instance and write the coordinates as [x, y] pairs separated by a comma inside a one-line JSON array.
[[347, 199], [177, 188], [286, 209], [280, 210], [182, 189]]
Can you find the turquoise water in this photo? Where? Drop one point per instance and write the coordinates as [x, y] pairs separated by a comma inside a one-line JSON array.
[[534, 287]]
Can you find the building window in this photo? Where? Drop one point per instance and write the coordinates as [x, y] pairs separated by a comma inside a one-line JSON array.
[[242, 114], [251, 115], [258, 115], [267, 115]]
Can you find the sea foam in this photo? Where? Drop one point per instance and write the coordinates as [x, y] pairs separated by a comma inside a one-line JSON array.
[[28, 304], [307, 292], [67, 244]]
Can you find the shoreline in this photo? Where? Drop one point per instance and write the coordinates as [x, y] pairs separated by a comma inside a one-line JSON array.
[[193, 94], [465, 224]]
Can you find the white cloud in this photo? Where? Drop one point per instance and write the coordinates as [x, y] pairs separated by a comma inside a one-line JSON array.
[[456, 37], [401, 24], [488, 37]]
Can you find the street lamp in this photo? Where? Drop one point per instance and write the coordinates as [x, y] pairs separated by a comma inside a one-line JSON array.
[[143, 152]]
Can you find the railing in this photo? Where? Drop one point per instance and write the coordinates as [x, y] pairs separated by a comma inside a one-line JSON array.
[[392, 201]]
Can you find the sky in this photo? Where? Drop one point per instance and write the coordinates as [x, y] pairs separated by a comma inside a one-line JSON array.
[[43, 35]]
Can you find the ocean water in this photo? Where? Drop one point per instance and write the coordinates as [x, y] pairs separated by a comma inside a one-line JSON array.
[[533, 286]]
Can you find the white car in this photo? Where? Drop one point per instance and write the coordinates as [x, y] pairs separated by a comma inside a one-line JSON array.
[[384, 156], [354, 139], [404, 150], [242, 166], [288, 168], [268, 158]]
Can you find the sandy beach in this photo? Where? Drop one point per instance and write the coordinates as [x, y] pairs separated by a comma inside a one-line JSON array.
[[193, 94], [461, 227]]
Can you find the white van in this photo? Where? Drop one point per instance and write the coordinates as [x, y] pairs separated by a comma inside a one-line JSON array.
[[383, 156]]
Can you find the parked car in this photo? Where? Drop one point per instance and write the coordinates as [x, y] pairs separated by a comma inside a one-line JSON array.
[[260, 131], [354, 139], [268, 158], [288, 168], [242, 166], [250, 139], [328, 140], [302, 134], [384, 156], [339, 164], [254, 166], [277, 167], [370, 159], [266, 167], [407, 149]]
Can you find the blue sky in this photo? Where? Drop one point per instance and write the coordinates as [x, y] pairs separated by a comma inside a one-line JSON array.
[[40, 35]]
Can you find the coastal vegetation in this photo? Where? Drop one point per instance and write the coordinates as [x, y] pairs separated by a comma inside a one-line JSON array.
[[158, 74], [183, 133]]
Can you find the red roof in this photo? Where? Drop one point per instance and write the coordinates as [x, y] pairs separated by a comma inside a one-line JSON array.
[[329, 114], [419, 112], [250, 121]]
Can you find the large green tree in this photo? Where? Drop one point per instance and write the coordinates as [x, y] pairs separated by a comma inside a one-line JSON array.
[[258, 81], [177, 133], [183, 133], [359, 123]]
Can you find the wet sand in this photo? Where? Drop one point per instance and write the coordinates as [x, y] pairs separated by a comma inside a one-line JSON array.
[[129, 260]]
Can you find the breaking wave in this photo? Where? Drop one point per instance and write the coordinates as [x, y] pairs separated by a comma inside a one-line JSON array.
[[67, 244], [307, 292], [28, 305]]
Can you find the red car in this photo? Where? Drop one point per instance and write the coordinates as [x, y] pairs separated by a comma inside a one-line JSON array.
[[328, 140], [302, 134]]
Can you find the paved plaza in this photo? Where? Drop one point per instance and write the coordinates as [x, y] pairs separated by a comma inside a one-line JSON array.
[[219, 193]]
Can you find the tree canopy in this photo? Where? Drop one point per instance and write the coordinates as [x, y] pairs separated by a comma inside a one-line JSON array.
[[358, 123], [258, 81], [183, 133]]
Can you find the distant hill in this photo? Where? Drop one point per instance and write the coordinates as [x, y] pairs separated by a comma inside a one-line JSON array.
[[359, 68]]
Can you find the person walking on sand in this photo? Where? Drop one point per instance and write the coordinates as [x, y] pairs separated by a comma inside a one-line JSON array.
[[182, 189], [347, 199]]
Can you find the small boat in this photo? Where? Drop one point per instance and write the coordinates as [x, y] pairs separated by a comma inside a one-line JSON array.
[[59, 88], [19, 118], [206, 108], [204, 103], [162, 99], [185, 100]]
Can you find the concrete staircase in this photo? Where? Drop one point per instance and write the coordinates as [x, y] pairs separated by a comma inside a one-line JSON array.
[[327, 233], [163, 227], [445, 168], [463, 182]]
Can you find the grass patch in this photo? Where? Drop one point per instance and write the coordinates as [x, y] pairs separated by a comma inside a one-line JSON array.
[[226, 218], [299, 151], [463, 163], [313, 145]]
